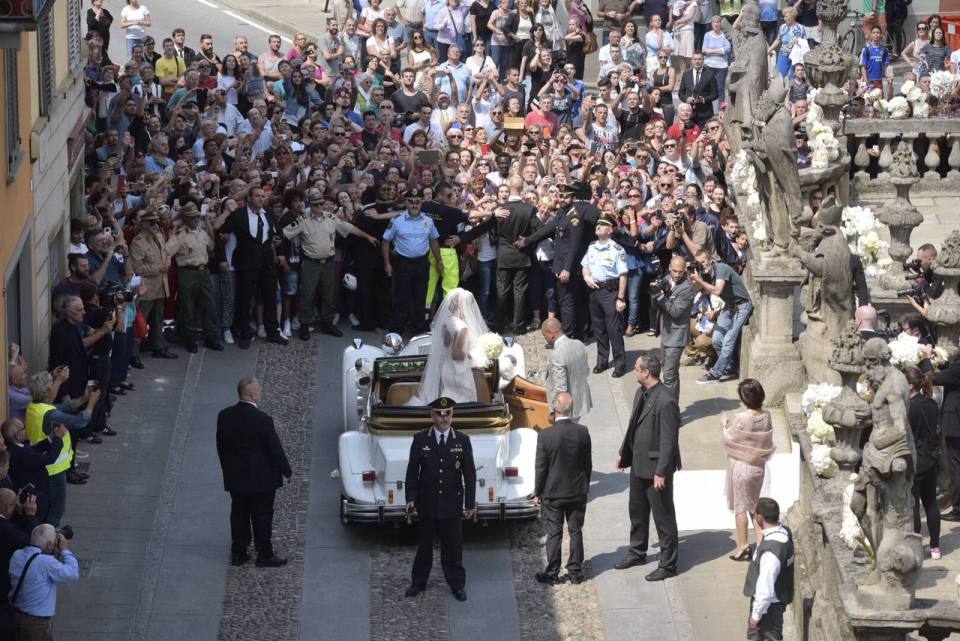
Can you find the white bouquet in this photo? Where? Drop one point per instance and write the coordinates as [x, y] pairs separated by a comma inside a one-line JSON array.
[[818, 429], [823, 464], [921, 110], [897, 107], [905, 350], [871, 246], [943, 83], [878, 268], [491, 345], [817, 395], [819, 158], [857, 221], [911, 91], [862, 231], [744, 175]]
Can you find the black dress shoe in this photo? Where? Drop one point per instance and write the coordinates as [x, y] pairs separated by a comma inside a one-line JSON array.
[[118, 391], [243, 343], [239, 559], [331, 329], [599, 369], [952, 515], [304, 332], [414, 590], [130, 387], [107, 432], [82, 475], [271, 562], [630, 561], [617, 373], [192, 346], [660, 574], [93, 438], [577, 579], [277, 339], [136, 363], [214, 344], [75, 479], [549, 579], [164, 353], [459, 594]]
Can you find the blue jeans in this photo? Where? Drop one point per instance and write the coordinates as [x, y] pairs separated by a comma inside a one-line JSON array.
[[721, 76], [726, 335], [501, 58], [131, 43], [430, 39], [58, 499], [486, 269], [634, 283]]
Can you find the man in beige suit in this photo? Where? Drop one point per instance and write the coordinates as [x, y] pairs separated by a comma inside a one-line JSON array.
[[151, 262], [568, 369]]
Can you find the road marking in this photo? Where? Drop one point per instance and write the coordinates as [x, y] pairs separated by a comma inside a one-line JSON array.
[[209, 4], [260, 27]]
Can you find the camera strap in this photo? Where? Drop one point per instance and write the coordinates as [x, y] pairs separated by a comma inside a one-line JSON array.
[[16, 592]]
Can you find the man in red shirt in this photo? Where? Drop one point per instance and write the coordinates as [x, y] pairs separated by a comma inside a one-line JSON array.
[[541, 115]]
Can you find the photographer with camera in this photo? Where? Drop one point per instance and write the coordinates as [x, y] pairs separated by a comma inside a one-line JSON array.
[[674, 296], [695, 234], [28, 463], [35, 572], [100, 308], [17, 520], [925, 286]]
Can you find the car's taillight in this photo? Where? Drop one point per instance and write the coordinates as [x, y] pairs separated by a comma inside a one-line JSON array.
[[370, 475], [490, 495], [511, 472], [390, 497]]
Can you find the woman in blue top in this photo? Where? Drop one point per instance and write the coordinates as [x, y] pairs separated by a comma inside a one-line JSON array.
[[716, 51], [790, 31]]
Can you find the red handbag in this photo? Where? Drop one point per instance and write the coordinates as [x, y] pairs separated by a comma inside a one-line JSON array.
[[140, 327]]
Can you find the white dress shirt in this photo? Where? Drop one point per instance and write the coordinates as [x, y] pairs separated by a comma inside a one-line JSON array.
[[766, 593], [253, 217]]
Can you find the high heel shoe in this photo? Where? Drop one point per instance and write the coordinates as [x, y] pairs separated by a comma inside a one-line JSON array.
[[743, 556]]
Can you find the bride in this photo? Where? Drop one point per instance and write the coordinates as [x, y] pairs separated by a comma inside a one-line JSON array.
[[455, 332]]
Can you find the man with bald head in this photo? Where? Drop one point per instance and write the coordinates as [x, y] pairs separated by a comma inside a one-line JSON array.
[[512, 220], [563, 467], [253, 464], [674, 298], [568, 368], [866, 320]]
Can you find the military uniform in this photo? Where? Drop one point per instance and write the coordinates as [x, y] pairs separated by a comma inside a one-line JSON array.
[[192, 250], [149, 256], [607, 265], [441, 481], [318, 232]]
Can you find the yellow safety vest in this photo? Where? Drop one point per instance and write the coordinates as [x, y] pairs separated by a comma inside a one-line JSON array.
[[35, 414]]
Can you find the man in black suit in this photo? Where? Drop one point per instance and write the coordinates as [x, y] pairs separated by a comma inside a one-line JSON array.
[[698, 88], [253, 462], [513, 220], [563, 466], [651, 447], [28, 463], [14, 534], [255, 263], [441, 484], [949, 378]]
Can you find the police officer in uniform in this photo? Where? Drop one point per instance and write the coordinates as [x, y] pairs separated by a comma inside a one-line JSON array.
[[317, 230], [441, 483], [769, 583], [605, 274], [151, 261], [573, 229], [412, 234], [191, 246]]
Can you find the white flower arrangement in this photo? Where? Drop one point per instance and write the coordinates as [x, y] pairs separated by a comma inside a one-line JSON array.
[[897, 107], [491, 345], [817, 395], [823, 464], [820, 432], [905, 350], [917, 100], [943, 83], [862, 230], [878, 268], [744, 175], [850, 530]]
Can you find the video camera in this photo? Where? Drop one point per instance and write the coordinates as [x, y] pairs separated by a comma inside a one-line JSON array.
[[113, 294], [656, 283]]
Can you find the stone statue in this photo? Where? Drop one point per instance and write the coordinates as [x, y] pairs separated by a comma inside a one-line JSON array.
[[828, 305], [882, 500], [774, 152], [748, 75], [848, 413]]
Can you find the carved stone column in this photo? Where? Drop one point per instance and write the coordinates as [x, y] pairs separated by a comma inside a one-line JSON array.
[[771, 355], [944, 312], [828, 65], [844, 412], [900, 215]]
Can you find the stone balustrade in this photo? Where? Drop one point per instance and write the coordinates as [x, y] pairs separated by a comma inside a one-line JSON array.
[[935, 140]]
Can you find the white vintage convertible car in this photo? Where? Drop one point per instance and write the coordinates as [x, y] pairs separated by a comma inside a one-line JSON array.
[[379, 427]]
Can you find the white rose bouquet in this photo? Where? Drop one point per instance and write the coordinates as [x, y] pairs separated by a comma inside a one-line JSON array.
[[491, 345], [823, 464], [943, 83], [817, 395], [905, 350], [820, 432], [862, 231]]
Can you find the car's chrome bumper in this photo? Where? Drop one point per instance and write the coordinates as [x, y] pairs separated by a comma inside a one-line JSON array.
[[364, 513]]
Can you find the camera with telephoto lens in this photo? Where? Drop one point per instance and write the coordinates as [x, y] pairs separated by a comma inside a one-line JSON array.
[[113, 295], [656, 283], [916, 290], [913, 266]]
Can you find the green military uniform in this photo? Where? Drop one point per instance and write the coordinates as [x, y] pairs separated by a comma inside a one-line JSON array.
[[149, 256], [317, 231], [195, 303]]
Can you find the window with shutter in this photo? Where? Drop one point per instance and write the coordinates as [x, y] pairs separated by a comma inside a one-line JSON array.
[[75, 36], [11, 98], [46, 59]]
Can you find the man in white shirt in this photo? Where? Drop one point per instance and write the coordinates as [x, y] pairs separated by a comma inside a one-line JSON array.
[[769, 582], [603, 54], [425, 123]]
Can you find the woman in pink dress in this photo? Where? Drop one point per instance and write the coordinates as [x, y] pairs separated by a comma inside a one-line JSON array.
[[748, 439]]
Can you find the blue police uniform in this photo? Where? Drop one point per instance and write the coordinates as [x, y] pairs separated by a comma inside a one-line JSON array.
[[607, 262], [411, 237]]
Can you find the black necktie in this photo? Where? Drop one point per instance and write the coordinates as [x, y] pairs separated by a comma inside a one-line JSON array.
[[259, 227], [441, 440], [696, 78]]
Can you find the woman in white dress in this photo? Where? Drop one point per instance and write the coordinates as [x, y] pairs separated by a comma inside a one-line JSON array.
[[454, 343]]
